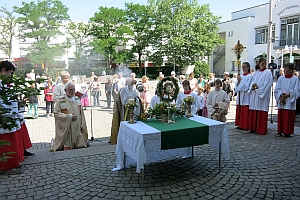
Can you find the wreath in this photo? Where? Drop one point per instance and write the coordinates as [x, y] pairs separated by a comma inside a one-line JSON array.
[[168, 86]]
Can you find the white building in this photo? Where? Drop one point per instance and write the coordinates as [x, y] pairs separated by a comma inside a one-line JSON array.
[[250, 26]]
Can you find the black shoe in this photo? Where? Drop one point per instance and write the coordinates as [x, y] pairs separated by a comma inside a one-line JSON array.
[[252, 131], [286, 135], [28, 154], [279, 134]]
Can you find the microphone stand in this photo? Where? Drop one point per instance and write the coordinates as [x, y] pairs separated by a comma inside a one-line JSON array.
[[90, 89]]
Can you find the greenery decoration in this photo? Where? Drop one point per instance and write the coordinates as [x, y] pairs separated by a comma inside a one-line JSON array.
[[167, 86], [188, 99]]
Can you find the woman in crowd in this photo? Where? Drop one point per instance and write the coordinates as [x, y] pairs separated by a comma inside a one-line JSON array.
[[260, 93], [83, 89], [145, 94], [187, 91], [201, 81], [205, 95], [96, 91], [108, 91], [49, 98], [232, 85], [211, 79], [193, 82], [242, 101], [115, 87], [33, 103]]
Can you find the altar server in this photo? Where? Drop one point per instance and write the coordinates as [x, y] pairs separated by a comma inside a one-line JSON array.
[[242, 101], [286, 94], [260, 92], [187, 91], [217, 102]]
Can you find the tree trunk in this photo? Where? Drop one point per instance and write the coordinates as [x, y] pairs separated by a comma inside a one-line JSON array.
[[140, 65]]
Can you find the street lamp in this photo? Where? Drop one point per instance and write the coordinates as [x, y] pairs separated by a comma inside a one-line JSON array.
[[290, 49], [280, 51]]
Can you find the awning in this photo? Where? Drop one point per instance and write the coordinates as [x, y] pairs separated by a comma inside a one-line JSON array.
[[262, 56]]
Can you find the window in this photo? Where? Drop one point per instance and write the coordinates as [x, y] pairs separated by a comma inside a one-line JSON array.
[[289, 32], [261, 35], [232, 65]]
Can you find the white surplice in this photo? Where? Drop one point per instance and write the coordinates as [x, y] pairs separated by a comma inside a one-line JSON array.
[[287, 86], [216, 96], [260, 98], [127, 94], [181, 96], [242, 89]]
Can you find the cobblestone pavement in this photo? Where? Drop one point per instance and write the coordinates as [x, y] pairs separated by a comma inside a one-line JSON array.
[[260, 167]]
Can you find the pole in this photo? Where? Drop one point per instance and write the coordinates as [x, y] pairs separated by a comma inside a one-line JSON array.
[[291, 52], [270, 32], [281, 64]]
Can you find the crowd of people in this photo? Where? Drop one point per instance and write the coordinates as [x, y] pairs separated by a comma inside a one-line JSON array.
[[66, 100]]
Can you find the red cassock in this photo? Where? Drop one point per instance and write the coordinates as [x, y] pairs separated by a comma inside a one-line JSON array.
[[242, 116], [13, 147], [258, 121], [286, 121], [24, 141]]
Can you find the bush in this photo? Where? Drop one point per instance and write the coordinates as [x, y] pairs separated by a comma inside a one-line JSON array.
[[201, 68]]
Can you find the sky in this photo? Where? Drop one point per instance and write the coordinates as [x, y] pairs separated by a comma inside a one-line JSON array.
[[82, 10]]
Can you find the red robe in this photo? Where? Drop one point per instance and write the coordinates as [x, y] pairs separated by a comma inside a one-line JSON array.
[[13, 147], [286, 121], [258, 121], [242, 116]]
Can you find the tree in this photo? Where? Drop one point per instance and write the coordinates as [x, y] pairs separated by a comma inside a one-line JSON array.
[[8, 27], [201, 67], [109, 30], [139, 19], [184, 30], [79, 35], [40, 23]]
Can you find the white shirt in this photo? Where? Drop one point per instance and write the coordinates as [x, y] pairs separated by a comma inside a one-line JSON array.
[[154, 100], [200, 102], [59, 92]]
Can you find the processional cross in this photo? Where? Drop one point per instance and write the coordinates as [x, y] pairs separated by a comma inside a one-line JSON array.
[[238, 50]]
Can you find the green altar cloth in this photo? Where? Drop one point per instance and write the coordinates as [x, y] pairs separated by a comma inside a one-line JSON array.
[[184, 133]]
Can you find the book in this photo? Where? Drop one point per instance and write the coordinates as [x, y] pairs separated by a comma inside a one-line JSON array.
[[78, 94]]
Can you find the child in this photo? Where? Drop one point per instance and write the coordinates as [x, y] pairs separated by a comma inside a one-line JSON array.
[[200, 101], [33, 103]]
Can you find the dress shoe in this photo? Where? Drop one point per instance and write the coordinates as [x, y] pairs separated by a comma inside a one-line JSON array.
[[28, 154]]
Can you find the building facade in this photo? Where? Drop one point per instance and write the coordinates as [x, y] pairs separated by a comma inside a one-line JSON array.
[[250, 26]]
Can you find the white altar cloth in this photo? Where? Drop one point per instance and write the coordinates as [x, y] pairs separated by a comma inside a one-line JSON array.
[[142, 143]]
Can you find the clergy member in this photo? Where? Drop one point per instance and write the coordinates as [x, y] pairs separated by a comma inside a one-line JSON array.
[[59, 90], [286, 94], [242, 101], [70, 125], [215, 98], [128, 92], [260, 92]]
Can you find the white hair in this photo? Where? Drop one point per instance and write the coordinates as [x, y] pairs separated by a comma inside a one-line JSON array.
[[64, 73], [69, 83]]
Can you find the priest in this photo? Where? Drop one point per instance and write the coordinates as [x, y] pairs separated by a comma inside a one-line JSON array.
[[286, 94], [126, 93], [70, 124]]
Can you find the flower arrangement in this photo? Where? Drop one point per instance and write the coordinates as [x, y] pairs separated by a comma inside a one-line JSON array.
[[189, 99], [144, 116], [131, 104], [254, 86]]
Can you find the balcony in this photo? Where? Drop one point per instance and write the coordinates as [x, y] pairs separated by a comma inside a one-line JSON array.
[[220, 50]]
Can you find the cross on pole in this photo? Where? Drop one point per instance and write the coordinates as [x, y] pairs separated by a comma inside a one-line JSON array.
[[238, 49]]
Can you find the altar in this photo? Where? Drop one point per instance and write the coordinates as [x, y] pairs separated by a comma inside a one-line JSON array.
[[152, 141]]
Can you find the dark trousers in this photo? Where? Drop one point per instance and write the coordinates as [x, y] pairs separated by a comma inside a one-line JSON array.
[[49, 104], [108, 99], [96, 96], [199, 112]]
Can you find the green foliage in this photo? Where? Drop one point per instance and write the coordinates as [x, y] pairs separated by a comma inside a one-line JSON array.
[[5, 156], [109, 30], [140, 21], [185, 31], [201, 68], [79, 36], [8, 30], [41, 21]]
